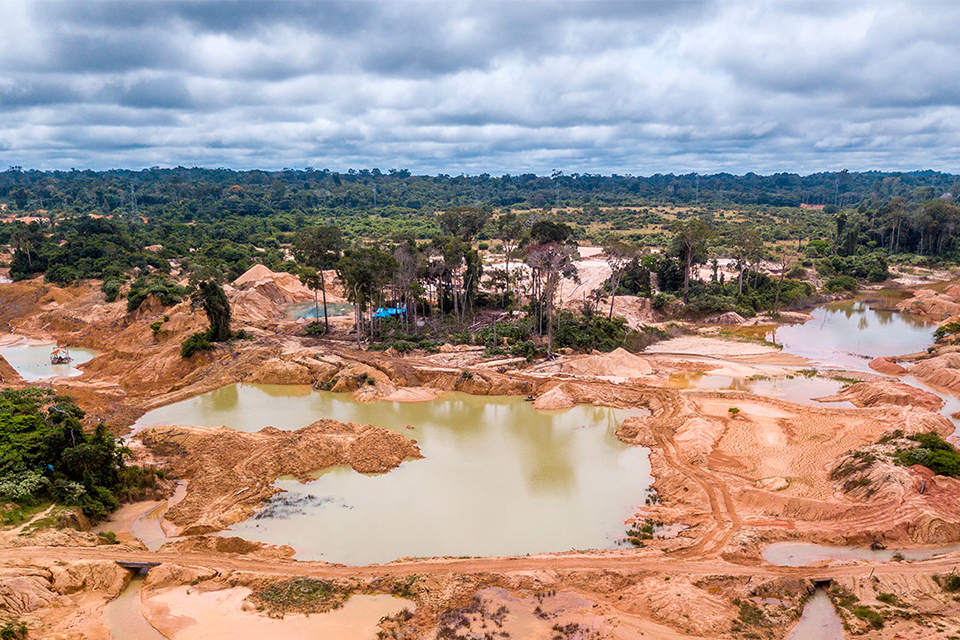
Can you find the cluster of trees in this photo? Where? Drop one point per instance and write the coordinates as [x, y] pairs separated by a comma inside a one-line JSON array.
[[203, 194], [45, 454]]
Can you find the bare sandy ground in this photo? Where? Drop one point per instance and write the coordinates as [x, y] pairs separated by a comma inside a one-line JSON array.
[[182, 613]]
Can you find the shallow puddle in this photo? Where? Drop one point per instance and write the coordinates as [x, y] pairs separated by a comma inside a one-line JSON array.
[[800, 388], [32, 361], [495, 613], [314, 312], [123, 618], [819, 620], [802, 554], [498, 477], [222, 615]]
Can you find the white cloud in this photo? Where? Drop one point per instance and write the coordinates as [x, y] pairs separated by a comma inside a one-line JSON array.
[[649, 87]]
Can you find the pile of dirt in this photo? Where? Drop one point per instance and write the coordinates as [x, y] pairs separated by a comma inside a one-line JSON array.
[[231, 545], [730, 317], [879, 392], [697, 437], [619, 363], [280, 288], [932, 304], [941, 371], [554, 399], [231, 472], [887, 366]]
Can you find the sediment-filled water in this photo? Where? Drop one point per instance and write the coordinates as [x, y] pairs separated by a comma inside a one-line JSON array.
[[497, 477], [32, 361], [819, 621]]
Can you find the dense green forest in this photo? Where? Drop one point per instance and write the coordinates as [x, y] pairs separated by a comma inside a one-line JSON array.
[[418, 241], [45, 454]]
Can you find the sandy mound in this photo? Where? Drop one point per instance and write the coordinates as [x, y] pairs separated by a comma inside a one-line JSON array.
[[232, 545], [927, 302], [940, 371], [730, 317], [887, 366], [553, 399], [697, 437], [619, 363], [232, 472], [875, 393], [279, 288]]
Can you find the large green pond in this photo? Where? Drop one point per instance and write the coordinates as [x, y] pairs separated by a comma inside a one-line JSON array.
[[498, 477]]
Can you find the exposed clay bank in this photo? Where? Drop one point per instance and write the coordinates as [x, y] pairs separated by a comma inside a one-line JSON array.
[[497, 477]]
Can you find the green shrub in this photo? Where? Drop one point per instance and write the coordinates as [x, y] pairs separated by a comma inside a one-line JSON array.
[[111, 289], [947, 329], [196, 342], [932, 452], [841, 283]]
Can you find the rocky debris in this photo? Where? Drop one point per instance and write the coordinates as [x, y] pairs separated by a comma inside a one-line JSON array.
[[25, 589], [887, 366], [730, 317], [280, 288], [231, 472], [170, 575], [89, 575], [879, 392]]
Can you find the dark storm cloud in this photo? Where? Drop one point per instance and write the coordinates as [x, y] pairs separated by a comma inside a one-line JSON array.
[[628, 87]]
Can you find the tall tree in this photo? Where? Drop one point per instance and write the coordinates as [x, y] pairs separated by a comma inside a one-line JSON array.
[[319, 248], [364, 272], [550, 260], [618, 255], [217, 307], [747, 248], [690, 245]]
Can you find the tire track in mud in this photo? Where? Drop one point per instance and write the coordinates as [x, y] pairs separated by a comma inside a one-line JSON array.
[[24, 556], [667, 418]]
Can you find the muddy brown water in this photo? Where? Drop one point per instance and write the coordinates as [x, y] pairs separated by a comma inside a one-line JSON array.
[[803, 554], [497, 478], [849, 334], [32, 361], [819, 621], [799, 388], [123, 618]]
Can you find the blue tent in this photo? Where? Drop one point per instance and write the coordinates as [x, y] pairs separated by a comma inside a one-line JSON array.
[[387, 312]]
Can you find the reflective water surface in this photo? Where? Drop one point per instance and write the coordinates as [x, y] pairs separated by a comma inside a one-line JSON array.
[[498, 477], [819, 621], [32, 361]]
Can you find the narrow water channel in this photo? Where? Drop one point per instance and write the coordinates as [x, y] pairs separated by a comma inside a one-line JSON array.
[[819, 621], [123, 618], [497, 477]]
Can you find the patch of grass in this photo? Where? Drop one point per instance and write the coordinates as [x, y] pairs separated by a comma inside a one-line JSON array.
[[949, 582], [868, 615], [300, 595], [890, 599]]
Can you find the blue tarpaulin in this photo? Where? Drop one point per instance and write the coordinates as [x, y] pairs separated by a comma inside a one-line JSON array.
[[386, 312]]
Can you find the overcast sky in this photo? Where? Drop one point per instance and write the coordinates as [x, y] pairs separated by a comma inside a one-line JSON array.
[[473, 87]]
